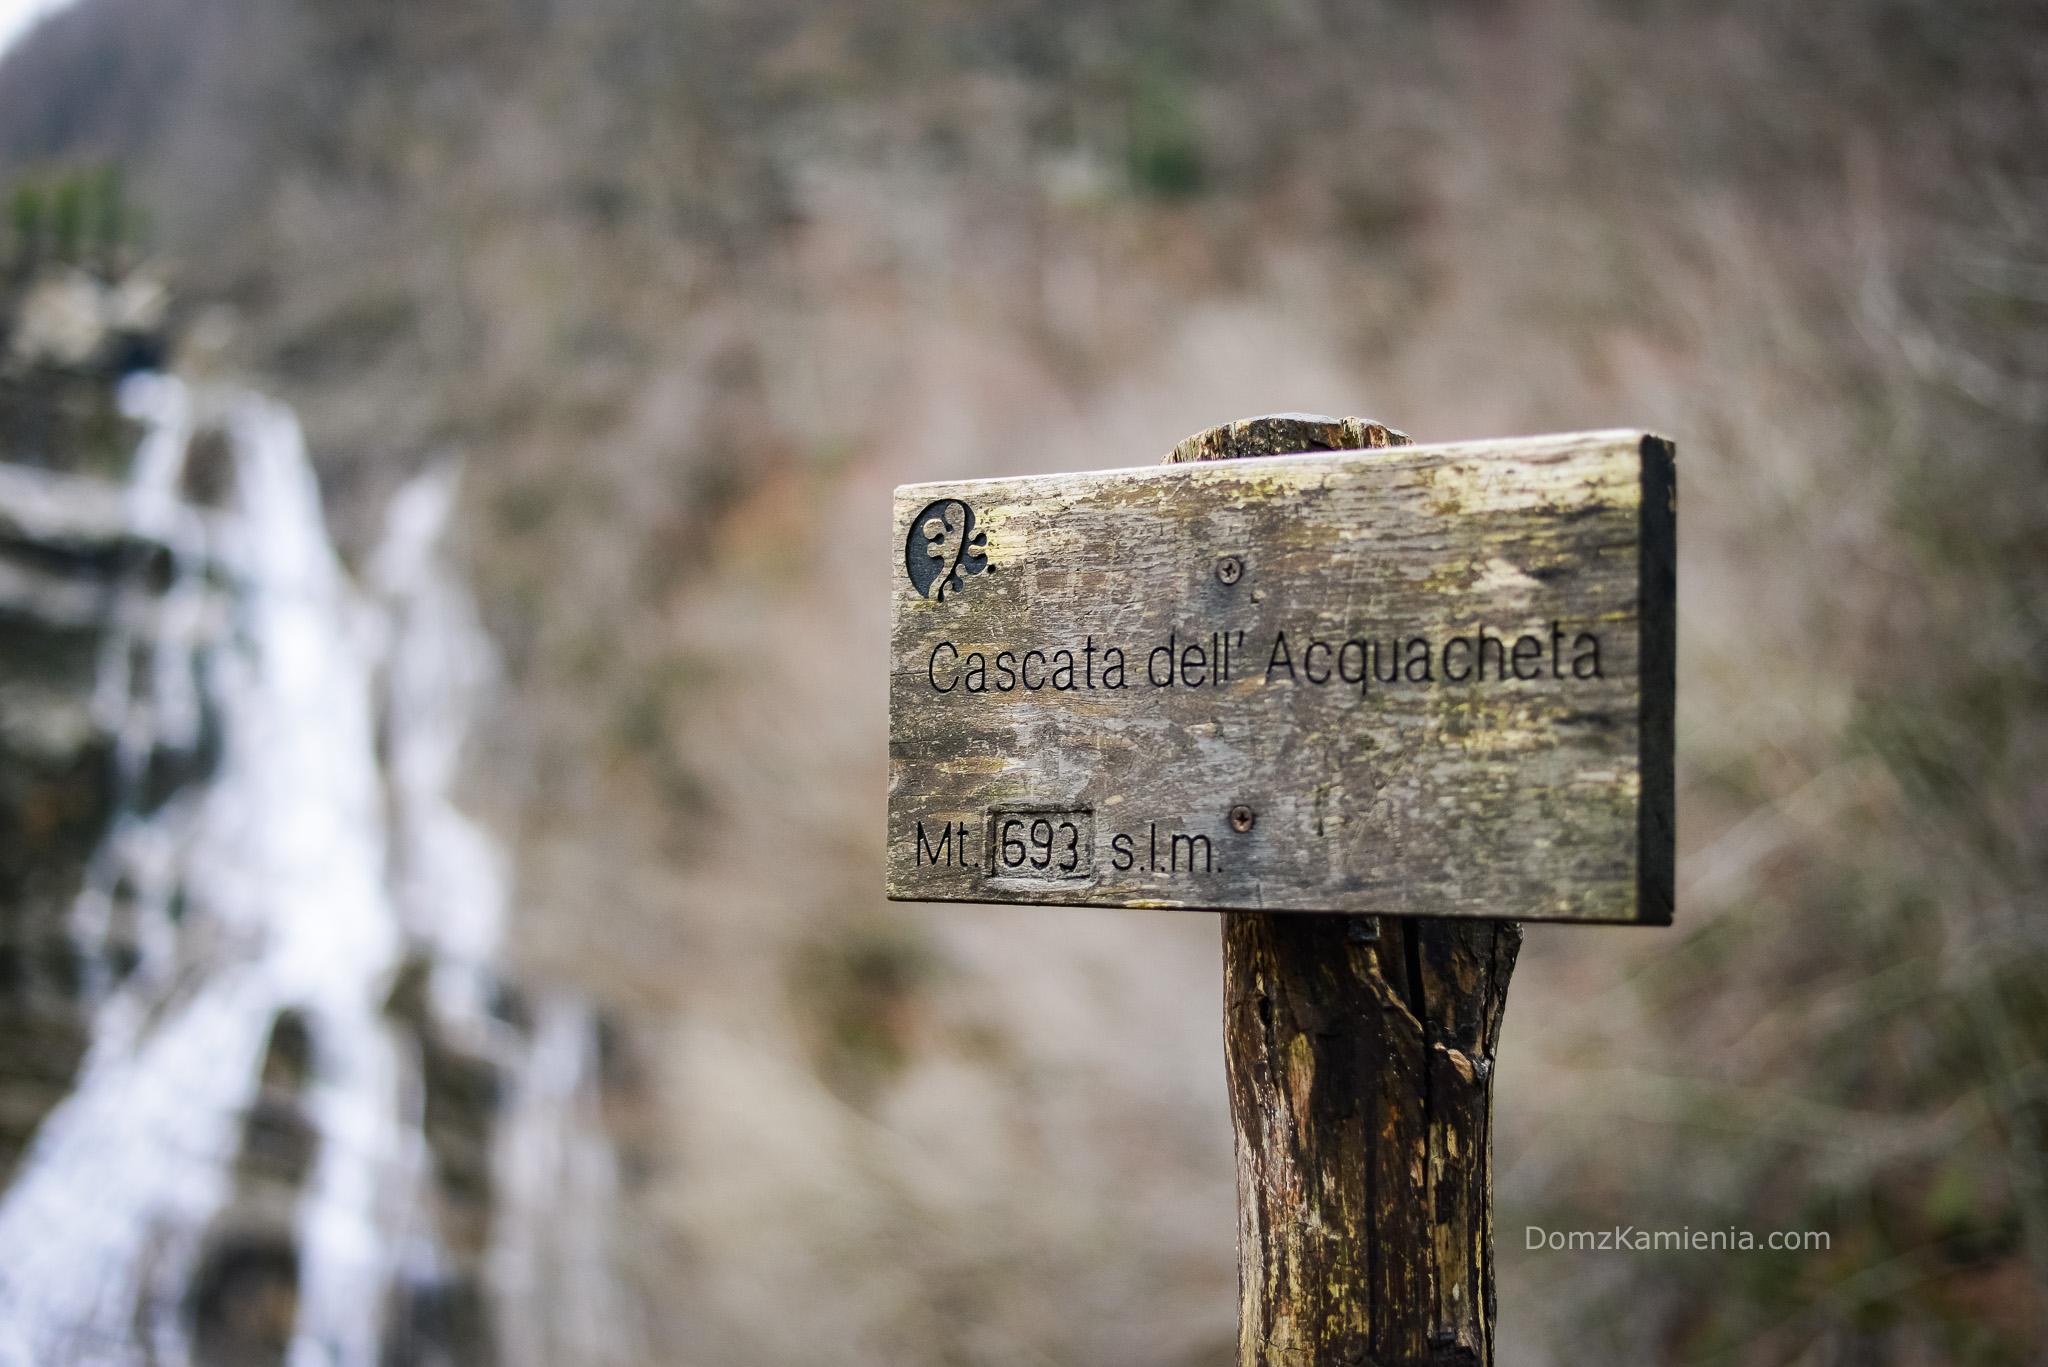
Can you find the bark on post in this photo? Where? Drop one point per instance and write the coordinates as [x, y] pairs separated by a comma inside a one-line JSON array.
[[1360, 1054]]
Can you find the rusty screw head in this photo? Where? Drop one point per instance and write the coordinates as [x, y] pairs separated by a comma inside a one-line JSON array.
[[1241, 818], [1229, 570]]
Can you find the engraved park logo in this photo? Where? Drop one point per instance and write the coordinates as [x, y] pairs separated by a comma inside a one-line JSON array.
[[944, 548]]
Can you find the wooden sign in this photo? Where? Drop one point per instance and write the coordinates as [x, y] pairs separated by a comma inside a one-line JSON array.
[[1411, 681]]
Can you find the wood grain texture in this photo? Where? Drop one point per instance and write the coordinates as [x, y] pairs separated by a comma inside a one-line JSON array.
[[1326, 686], [1280, 434], [1360, 1061], [1361, 1091]]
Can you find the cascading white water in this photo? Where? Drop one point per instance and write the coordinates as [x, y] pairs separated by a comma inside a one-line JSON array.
[[295, 879]]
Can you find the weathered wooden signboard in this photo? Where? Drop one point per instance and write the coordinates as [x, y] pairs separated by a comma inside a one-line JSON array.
[[1416, 681]]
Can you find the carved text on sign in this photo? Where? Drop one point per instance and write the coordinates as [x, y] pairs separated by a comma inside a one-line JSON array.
[[1421, 680]]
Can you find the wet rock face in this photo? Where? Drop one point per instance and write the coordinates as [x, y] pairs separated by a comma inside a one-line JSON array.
[[69, 334], [263, 1097], [243, 1302], [56, 417], [56, 798], [446, 1319], [69, 568]]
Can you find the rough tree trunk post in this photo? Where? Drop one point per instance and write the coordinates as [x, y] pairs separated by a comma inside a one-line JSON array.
[[1360, 1054]]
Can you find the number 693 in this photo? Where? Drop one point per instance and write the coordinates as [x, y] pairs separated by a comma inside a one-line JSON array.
[[1041, 844]]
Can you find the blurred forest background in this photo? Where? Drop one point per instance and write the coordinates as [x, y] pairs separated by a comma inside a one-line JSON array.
[[688, 287]]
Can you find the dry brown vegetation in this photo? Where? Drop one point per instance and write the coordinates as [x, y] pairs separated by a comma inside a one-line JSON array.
[[690, 287]]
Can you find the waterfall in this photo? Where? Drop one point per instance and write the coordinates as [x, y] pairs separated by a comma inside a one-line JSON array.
[[307, 940]]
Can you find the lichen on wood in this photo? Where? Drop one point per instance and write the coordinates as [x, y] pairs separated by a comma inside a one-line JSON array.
[[1434, 675], [1360, 1057]]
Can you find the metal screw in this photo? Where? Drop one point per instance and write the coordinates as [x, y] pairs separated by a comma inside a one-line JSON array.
[[1241, 818], [1229, 570]]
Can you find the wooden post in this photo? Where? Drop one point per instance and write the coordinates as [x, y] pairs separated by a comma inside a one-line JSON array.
[[1360, 1055], [1362, 704]]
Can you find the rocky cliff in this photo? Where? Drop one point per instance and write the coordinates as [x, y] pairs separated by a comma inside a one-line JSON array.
[[266, 1091]]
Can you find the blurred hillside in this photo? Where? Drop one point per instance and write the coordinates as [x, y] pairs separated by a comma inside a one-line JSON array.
[[687, 288]]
